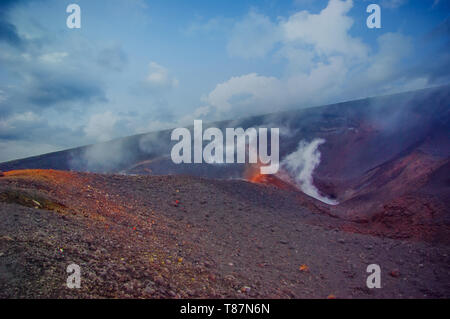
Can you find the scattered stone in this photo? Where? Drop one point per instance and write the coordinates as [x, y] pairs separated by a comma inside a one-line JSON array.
[[350, 271], [124, 267], [303, 268], [212, 277], [230, 278], [395, 273], [159, 280], [36, 203], [246, 289], [129, 287]]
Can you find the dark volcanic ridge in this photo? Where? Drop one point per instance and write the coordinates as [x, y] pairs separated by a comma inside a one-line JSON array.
[[180, 237], [146, 227], [359, 135], [385, 160]]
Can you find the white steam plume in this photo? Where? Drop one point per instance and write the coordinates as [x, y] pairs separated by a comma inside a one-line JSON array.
[[302, 163]]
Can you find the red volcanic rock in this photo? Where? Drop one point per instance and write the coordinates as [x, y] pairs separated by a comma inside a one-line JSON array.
[[130, 242], [1, 174], [404, 198], [395, 273]]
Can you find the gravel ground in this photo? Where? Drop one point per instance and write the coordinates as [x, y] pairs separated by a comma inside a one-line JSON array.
[[185, 237]]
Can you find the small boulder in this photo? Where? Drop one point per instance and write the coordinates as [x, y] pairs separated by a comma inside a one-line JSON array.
[[149, 290], [395, 273], [245, 289], [304, 268]]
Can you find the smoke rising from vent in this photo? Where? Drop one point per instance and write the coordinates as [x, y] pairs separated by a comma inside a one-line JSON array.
[[102, 158], [301, 165]]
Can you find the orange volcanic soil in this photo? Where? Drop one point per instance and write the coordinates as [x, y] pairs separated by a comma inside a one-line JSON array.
[[400, 198], [386, 205], [134, 236], [72, 190]]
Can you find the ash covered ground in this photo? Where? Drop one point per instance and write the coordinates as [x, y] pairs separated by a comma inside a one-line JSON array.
[[189, 237]]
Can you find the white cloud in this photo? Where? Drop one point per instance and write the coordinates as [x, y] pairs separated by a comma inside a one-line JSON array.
[[255, 94], [159, 77], [18, 119], [393, 47], [188, 119], [326, 32], [154, 125], [53, 58], [390, 4], [100, 127], [393, 4], [254, 36], [247, 90], [325, 64]]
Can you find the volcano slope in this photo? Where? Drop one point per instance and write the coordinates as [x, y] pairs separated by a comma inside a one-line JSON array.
[[385, 160], [180, 237]]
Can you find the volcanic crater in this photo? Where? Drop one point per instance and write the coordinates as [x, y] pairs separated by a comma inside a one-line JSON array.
[[140, 226]]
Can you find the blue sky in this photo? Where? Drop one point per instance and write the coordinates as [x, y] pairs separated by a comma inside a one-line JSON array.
[[137, 66]]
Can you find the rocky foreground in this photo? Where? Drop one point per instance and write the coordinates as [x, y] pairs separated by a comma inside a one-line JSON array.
[[184, 237]]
